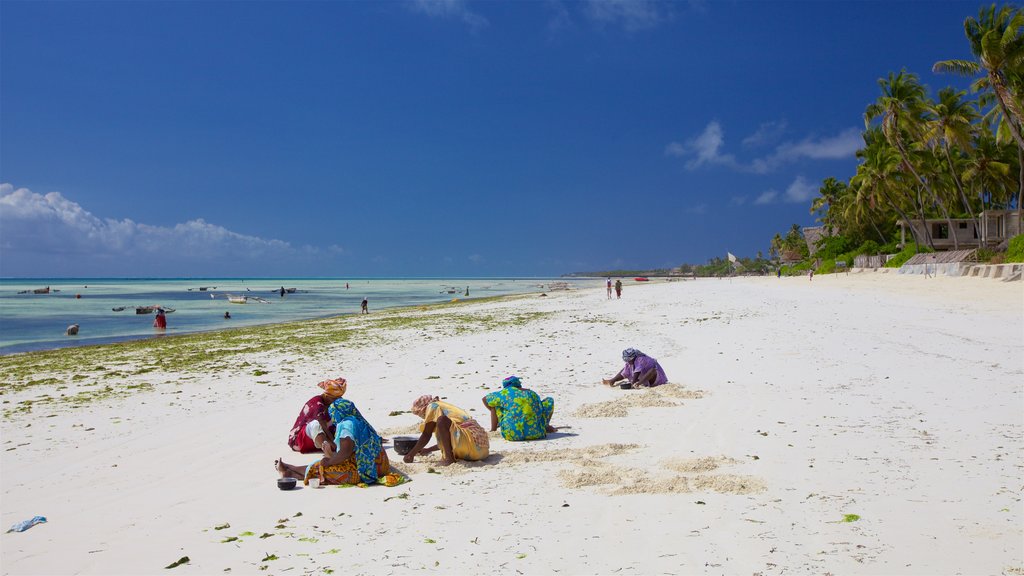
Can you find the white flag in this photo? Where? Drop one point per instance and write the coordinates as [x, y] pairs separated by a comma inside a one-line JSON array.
[[731, 257]]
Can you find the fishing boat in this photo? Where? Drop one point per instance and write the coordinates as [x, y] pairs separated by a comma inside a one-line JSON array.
[[118, 309], [641, 279], [238, 299], [144, 309], [41, 290]]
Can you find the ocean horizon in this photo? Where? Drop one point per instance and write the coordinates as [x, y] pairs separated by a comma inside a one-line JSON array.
[[105, 308]]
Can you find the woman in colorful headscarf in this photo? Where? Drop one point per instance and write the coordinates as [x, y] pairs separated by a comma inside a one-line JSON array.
[[520, 412], [316, 410], [458, 435], [354, 456], [640, 370]]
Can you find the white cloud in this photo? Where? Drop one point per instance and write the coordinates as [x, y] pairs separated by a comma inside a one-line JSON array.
[[632, 15], [703, 149], [767, 197], [800, 190], [454, 9], [40, 230], [706, 148], [766, 134], [842, 145]]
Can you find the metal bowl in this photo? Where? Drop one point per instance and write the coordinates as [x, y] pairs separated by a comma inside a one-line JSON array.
[[286, 483], [403, 444]]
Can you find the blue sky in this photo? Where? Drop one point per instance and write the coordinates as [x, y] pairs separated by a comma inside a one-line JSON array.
[[431, 138]]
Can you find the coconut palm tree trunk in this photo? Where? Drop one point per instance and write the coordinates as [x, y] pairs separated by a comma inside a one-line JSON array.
[[960, 189], [906, 220], [1008, 106]]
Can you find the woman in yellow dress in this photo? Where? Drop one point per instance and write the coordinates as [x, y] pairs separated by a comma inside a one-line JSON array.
[[459, 436]]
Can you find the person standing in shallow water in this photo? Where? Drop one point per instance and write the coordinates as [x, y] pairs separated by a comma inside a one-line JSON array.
[[365, 306], [161, 319]]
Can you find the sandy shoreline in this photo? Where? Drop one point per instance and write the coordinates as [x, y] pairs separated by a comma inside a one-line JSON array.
[[794, 403]]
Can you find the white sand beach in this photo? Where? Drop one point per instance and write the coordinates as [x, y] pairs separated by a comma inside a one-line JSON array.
[[793, 405]]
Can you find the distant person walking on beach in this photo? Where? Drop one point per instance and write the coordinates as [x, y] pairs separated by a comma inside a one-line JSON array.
[[161, 319], [365, 306], [618, 289], [640, 370], [810, 274], [608, 285]]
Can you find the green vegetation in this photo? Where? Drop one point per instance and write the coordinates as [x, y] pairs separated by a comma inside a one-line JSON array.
[[1016, 251], [941, 156], [201, 355]]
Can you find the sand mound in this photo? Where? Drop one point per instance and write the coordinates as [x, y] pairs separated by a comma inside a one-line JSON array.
[[431, 463], [622, 480], [728, 484], [574, 455], [411, 430], [619, 408], [698, 465], [671, 390]]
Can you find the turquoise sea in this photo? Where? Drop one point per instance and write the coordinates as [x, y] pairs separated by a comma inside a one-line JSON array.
[[37, 321]]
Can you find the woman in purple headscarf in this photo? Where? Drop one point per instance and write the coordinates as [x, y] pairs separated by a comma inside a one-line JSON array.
[[640, 370]]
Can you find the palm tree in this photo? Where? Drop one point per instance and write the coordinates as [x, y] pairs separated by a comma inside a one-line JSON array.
[[997, 44], [829, 193], [987, 170], [952, 124], [901, 108], [879, 176]]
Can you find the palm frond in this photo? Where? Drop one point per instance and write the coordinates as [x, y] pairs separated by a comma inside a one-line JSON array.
[[961, 67]]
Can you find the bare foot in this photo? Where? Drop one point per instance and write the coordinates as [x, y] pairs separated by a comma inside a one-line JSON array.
[[447, 462], [279, 464]]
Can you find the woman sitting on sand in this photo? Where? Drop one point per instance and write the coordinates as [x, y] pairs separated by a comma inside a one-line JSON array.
[[316, 410], [354, 456], [459, 436], [520, 412], [640, 370]]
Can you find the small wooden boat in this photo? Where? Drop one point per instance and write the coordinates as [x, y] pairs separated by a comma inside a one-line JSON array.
[[641, 279], [238, 299], [41, 290], [144, 309], [118, 309]]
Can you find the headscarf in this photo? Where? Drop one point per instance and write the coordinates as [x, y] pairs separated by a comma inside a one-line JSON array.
[[511, 381], [365, 438], [313, 429], [419, 407], [630, 354], [334, 389]]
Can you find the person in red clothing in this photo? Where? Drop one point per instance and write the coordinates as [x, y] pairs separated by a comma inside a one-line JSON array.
[[161, 319], [316, 409]]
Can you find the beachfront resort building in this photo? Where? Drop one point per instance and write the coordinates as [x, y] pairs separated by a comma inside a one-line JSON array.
[[994, 227]]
